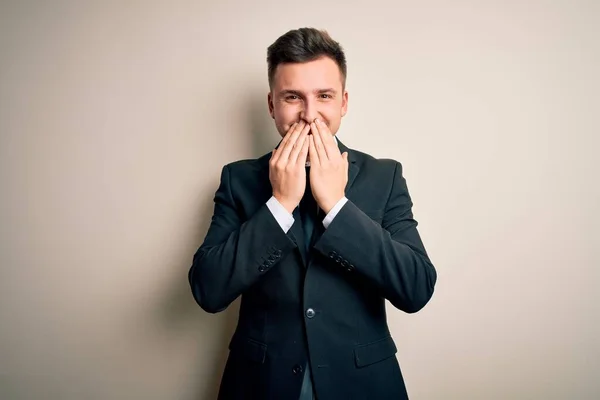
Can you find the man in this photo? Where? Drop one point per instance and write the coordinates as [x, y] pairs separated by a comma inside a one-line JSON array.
[[314, 236]]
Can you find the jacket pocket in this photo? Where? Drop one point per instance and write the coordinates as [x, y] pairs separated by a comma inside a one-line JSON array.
[[251, 349], [370, 353]]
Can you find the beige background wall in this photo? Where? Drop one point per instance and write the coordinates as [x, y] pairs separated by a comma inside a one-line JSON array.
[[116, 118]]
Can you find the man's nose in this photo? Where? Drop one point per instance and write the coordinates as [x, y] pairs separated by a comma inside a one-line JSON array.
[[309, 111]]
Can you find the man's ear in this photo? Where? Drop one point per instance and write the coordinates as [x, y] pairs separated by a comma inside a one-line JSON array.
[[270, 103], [345, 103]]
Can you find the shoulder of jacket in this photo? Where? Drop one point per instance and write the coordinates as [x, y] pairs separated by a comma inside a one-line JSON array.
[[369, 161], [249, 163]]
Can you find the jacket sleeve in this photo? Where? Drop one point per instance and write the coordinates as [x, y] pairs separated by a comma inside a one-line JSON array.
[[235, 254], [390, 256]]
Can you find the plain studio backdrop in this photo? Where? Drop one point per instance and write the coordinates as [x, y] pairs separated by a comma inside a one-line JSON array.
[[117, 117]]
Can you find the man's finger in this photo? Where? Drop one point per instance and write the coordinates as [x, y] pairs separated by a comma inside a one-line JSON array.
[[312, 151], [304, 151], [318, 141], [287, 149], [299, 144], [277, 151], [328, 141]]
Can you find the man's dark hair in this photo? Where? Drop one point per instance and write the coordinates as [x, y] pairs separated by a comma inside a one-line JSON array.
[[303, 45]]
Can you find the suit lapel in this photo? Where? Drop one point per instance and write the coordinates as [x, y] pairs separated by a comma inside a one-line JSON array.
[[353, 167]]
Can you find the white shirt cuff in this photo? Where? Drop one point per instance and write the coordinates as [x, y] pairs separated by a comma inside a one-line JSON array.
[[334, 211], [283, 217]]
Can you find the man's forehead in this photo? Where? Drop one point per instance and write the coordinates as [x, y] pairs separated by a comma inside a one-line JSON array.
[[310, 76]]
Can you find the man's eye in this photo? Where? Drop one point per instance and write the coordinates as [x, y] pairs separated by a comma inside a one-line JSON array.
[[292, 97], [326, 96]]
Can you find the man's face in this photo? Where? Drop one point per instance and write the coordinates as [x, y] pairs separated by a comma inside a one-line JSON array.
[[305, 91]]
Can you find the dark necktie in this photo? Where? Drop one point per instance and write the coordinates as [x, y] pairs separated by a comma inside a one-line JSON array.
[[308, 213]]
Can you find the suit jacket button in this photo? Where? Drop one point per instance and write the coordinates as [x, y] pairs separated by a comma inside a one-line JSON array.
[[297, 369], [310, 313]]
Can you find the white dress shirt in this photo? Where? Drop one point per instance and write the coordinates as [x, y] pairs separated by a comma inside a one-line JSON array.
[[286, 220]]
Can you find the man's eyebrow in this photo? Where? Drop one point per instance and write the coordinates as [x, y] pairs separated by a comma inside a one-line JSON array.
[[299, 93], [327, 90], [290, 91]]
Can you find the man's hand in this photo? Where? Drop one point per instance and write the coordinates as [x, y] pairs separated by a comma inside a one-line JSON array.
[[287, 171], [328, 168]]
